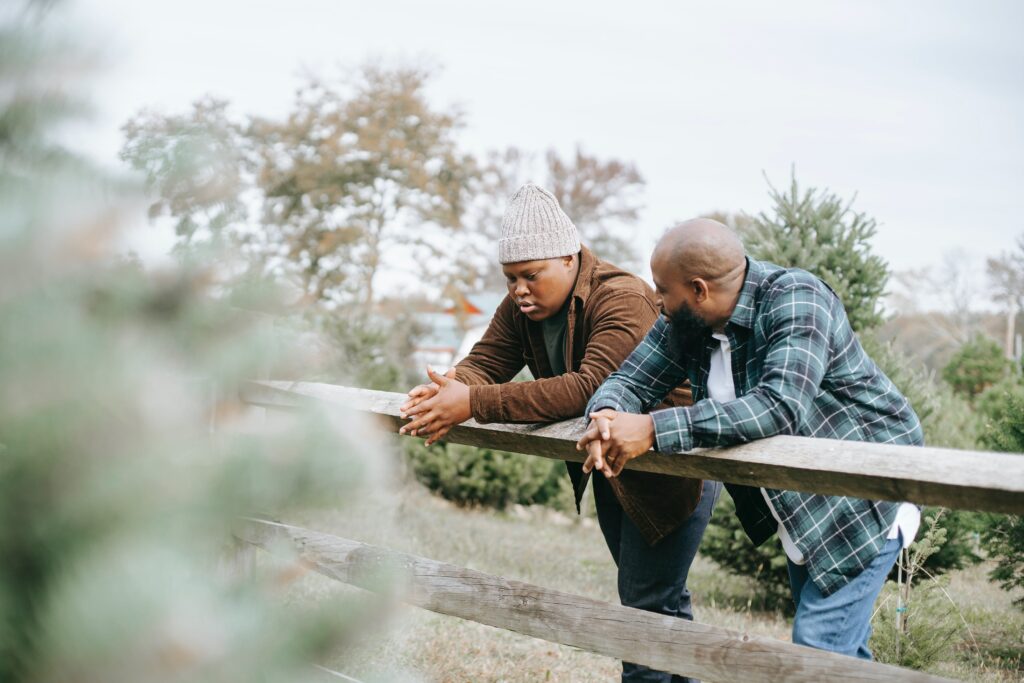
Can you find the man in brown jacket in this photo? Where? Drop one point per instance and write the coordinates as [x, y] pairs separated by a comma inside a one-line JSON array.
[[572, 319]]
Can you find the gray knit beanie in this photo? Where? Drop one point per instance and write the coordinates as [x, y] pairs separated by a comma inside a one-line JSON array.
[[535, 227]]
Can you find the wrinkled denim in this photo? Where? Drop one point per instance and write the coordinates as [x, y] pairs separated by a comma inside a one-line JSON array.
[[653, 578], [841, 621]]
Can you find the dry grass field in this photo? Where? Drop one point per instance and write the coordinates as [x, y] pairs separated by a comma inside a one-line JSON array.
[[540, 546]]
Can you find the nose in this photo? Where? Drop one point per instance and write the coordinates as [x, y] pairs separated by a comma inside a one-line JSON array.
[[521, 289]]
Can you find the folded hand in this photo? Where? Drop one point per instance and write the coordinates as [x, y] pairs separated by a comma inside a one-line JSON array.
[[612, 439], [433, 412]]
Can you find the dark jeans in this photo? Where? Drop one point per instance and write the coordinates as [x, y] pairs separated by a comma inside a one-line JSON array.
[[652, 578]]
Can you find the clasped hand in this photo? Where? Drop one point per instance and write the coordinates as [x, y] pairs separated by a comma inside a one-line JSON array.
[[612, 439], [436, 407]]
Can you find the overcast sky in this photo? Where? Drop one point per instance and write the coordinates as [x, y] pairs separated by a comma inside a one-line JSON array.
[[917, 107]]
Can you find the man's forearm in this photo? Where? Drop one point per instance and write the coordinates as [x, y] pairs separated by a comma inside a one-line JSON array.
[[614, 394], [711, 423]]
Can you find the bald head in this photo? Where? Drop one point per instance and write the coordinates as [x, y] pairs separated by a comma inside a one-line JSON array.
[[698, 269], [702, 248]]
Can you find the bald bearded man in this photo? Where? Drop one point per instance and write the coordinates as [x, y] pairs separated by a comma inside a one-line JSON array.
[[768, 350]]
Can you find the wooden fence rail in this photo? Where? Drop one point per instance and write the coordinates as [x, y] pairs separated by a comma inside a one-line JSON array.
[[968, 480], [665, 643]]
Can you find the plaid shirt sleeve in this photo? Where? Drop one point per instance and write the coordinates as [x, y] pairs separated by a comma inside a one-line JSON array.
[[646, 377], [797, 319]]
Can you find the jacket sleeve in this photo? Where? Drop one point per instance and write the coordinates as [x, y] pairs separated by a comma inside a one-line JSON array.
[[620, 321], [646, 378], [498, 356]]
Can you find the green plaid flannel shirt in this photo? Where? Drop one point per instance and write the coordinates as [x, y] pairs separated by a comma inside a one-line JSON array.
[[798, 368]]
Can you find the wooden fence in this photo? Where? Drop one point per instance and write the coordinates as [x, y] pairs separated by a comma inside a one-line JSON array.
[[958, 479]]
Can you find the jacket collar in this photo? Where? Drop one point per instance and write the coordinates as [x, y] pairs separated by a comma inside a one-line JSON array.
[[585, 277], [743, 314]]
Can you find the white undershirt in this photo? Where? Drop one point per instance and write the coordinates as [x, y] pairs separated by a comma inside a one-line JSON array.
[[722, 388]]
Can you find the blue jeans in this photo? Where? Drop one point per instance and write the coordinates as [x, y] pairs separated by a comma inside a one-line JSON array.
[[840, 622], [652, 578]]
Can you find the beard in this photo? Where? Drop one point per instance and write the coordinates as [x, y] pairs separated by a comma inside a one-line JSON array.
[[686, 331]]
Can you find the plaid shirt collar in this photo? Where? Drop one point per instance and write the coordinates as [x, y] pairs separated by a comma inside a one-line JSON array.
[[743, 313]]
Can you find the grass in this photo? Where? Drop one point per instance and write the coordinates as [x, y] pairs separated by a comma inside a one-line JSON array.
[[566, 553], [994, 647]]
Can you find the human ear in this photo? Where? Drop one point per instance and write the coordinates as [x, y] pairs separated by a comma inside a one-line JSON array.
[[700, 289]]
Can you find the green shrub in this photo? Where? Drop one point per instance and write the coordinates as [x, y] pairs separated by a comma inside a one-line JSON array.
[[470, 476], [932, 629], [946, 418], [370, 353], [978, 365], [916, 624], [1003, 410], [963, 530], [1004, 540]]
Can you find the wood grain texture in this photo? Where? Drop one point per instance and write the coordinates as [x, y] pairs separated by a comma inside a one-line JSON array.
[[965, 480], [662, 642]]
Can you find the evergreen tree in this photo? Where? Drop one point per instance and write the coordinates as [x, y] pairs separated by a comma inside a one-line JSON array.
[[116, 501], [820, 232], [978, 365], [472, 476], [1003, 408]]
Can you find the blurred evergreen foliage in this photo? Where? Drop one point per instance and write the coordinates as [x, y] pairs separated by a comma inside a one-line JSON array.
[[485, 477], [978, 365], [1003, 408], [946, 417], [125, 455]]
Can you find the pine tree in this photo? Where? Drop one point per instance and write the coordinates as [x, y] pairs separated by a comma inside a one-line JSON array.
[[978, 365], [1003, 406], [821, 233], [116, 500]]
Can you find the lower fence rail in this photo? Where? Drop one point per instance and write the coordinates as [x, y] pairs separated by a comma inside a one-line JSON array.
[[658, 641]]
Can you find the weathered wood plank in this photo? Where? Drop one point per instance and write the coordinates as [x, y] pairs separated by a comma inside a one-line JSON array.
[[967, 480], [661, 642]]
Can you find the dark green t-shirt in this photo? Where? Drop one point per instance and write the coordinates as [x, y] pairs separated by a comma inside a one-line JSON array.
[[554, 339]]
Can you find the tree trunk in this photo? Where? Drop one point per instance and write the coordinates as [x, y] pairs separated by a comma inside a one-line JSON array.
[[1011, 325], [372, 262]]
